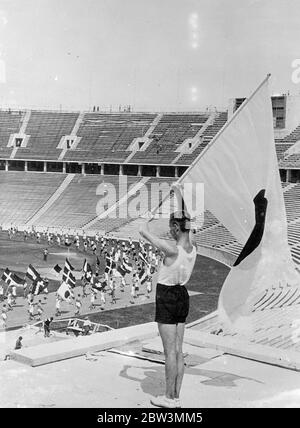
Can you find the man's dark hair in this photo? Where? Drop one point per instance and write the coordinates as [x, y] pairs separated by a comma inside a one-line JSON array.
[[183, 219]]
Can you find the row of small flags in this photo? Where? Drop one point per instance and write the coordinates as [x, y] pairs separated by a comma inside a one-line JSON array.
[[11, 278], [14, 280], [68, 278], [125, 267], [67, 275]]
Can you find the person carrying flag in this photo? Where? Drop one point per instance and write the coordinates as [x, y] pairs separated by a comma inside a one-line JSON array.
[[40, 310], [97, 265], [93, 298], [25, 285], [149, 285], [9, 301], [29, 296], [57, 306], [4, 315], [45, 286], [102, 292], [172, 300], [31, 309], [134, 287], [14, 293], [78, 304], [123, 284], [113, 291], [87, 276], [93, 247]]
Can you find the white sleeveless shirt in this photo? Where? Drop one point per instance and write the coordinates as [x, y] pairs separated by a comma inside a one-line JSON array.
[[180, 271]]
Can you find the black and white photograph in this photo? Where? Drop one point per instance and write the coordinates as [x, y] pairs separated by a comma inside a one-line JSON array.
[[149, 207]]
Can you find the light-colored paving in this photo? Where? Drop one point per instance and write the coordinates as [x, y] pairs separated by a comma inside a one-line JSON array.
[[46, 353], [109, 380]]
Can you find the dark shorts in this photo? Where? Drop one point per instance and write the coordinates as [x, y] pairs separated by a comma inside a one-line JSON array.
[[172, 304]]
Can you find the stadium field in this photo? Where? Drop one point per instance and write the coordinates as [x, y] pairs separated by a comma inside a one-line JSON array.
[[206, 280]]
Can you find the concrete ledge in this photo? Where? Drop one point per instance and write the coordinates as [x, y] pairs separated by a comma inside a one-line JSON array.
[[199, 321], [70, 348], [245, 349]]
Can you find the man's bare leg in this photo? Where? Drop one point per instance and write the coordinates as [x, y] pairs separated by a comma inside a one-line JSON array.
[[180, 359], [168, 336]]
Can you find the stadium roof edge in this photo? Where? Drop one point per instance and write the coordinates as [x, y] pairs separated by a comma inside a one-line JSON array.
[[23, 109]]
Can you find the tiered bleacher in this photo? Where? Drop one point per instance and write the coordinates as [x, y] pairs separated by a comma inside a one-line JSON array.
[[140, 201], [283, 144], [292, 202], [46, 130], [106, 136], [291, 138], [10, 123], [275, 321], [77, 205], [22, 195], [206, 137], [290, 161], [281, 148], [169, 133]]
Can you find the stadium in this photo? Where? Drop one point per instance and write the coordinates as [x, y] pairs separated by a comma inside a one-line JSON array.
[[55, 166]]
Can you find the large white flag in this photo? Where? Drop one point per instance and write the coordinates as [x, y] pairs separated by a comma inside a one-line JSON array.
[[242, 189]]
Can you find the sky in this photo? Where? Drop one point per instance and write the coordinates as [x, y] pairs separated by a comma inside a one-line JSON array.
[[155, 55]]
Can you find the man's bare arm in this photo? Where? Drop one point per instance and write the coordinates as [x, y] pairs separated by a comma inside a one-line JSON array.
[[159, 243]]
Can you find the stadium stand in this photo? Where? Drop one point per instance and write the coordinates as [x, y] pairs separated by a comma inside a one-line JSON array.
[[169, 133], [291, 137], [281, 148], [275, 320], [207, 136], [10, 123], [45, 130], [290, 161], [292, 202], [283, 144], [107, 136], [21, 195], [76, 206]]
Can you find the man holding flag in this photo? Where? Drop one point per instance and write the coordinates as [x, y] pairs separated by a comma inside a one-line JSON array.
[[172, 301]]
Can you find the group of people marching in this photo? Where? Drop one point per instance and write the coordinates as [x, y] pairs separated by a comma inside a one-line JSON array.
[[137, 260], [60, 238]]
